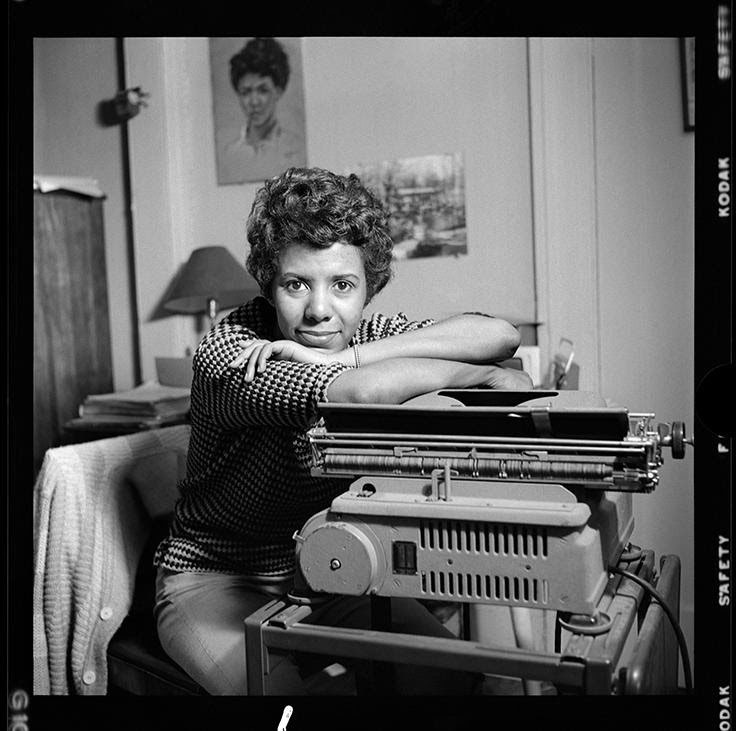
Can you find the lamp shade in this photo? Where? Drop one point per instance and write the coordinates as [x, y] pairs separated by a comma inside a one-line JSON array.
[[212, 272]]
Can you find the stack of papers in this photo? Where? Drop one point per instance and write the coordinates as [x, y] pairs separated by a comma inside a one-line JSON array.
[[143, 407]]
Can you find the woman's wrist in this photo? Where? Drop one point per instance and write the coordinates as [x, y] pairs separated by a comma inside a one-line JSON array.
[[345, 357]]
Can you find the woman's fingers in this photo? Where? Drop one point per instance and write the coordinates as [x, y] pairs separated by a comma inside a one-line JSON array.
[[509, 379], [248, 346], [263, 356], [240, 359], [256, 353], [253, 357]]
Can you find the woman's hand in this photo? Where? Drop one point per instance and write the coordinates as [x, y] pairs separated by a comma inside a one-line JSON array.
[[255, 353], [509, 379]]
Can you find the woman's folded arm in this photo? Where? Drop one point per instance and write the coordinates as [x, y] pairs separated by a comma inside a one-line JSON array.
[[394, 380], [469, 338]]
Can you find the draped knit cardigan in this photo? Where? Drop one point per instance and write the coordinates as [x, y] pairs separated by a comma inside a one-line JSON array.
[[93, 506]]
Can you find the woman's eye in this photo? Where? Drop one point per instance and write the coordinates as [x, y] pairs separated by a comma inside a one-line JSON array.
[[343, 286], [294, 285]]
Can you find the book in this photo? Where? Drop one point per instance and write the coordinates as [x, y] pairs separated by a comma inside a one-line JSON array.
[[121, 422], [150, 399]]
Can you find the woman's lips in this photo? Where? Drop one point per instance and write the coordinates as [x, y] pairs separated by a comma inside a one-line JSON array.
[[317, 336]]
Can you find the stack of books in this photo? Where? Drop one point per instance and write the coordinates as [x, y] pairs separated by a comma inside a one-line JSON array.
[[147, 406]]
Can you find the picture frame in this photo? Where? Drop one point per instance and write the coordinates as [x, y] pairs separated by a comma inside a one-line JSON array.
[[687, 71], [426, 199], [240, 159]]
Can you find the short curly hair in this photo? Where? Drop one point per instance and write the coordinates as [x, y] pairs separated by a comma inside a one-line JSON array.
[[317, 207], [262, 56]]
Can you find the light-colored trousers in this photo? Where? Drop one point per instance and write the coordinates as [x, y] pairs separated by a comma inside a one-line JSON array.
[[200, 619]]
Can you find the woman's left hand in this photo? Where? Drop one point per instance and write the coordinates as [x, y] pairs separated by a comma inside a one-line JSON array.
[[255, 353], [509, 379]]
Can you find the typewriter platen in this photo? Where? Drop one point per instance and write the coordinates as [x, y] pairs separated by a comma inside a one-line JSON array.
[[484, 496]]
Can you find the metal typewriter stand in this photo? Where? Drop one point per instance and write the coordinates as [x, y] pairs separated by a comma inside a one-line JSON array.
[[589, 663]]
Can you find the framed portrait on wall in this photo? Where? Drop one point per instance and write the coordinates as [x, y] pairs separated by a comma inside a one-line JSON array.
[[258, 107]]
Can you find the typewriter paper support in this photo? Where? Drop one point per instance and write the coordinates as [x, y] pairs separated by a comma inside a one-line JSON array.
[[521, 499]]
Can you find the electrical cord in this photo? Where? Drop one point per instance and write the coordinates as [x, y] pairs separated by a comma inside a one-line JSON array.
[[675, 624]]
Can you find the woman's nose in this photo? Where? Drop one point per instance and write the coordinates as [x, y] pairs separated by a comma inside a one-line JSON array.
[[318, 307]]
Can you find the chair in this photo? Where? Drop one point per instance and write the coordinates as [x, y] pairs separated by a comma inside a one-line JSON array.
[[100, 510], [136, 662]]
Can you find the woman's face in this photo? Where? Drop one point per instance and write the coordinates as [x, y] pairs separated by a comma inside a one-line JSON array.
[[258, 96], [319, 294]]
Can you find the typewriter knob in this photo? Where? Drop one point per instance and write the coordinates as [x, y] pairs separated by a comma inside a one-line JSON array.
[[339, 558], [677, 435]]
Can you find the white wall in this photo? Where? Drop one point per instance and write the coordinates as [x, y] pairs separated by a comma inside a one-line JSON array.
[[388, 98], [367, 99], [645, 182], [70, 77], [564, 201], [613, 202]]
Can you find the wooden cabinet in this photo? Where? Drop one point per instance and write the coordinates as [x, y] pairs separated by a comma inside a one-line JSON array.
[[71, 329]]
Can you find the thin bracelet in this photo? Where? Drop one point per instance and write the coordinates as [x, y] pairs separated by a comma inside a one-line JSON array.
[[356, 354]]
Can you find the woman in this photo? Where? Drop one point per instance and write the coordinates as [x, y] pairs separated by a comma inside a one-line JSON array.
[[320, 250], [259, 74]]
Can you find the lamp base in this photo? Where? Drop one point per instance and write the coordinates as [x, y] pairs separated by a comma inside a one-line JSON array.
[[174, 372]]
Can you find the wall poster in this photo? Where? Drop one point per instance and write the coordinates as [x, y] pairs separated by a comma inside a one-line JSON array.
[[426, 198]]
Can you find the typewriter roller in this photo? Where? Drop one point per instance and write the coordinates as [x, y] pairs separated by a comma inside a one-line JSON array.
[[498, 435]]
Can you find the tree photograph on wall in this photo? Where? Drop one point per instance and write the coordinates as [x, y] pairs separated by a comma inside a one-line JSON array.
[[426, 199]]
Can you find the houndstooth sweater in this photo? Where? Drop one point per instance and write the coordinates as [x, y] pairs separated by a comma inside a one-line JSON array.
[[248, 485]]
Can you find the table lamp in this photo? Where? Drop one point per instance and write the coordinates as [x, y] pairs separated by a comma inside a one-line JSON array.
[[210, 281]]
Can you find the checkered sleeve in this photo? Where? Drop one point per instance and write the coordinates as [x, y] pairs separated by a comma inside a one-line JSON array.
[[285, 394], [379, 326]]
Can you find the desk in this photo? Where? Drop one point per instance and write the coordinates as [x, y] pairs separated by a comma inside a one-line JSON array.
[[587, 664], [77, 431]]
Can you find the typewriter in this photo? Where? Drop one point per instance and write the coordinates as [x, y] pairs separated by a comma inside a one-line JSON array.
[[479, 497]]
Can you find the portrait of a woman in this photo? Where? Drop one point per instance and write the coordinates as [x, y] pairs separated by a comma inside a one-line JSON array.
[[259, 120]]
